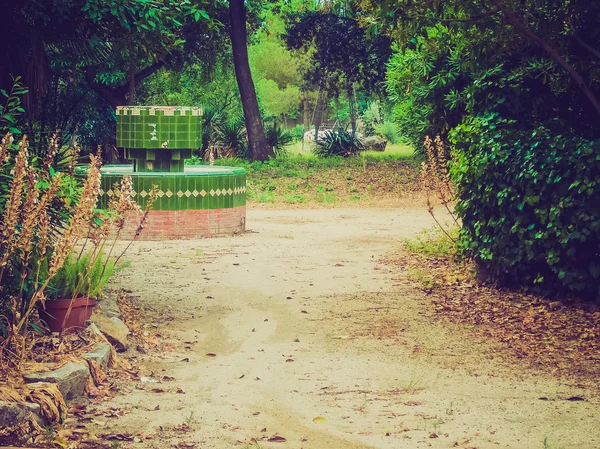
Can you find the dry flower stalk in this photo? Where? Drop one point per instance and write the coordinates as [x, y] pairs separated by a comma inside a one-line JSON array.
[[50, 154], [75, 230], [13, 205], [436, 178]]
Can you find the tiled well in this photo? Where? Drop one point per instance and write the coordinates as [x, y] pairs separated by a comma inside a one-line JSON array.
[[198, 188], [159, 127]]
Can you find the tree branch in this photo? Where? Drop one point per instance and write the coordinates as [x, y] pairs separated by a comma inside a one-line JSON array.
[[525, 31], [588, 47], [115, 96]]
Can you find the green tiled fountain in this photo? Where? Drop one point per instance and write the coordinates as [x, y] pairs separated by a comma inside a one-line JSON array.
[[192, 201]]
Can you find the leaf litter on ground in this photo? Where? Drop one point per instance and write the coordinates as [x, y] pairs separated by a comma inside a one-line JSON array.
[[557, 337]]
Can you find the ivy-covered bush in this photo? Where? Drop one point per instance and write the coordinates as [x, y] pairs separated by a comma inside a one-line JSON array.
[[530, 205]]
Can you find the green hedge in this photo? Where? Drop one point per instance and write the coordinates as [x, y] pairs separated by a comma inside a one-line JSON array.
[[530, 205]]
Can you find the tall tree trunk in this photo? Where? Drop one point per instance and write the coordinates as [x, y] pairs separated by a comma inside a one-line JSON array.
[[131, 96], [306, 115], [254, 126], [319, 115], [351, 101]]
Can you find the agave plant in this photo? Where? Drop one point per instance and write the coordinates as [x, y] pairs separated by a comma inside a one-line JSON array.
[[232, 135], [338, 142], [212, 118], [277, 138]]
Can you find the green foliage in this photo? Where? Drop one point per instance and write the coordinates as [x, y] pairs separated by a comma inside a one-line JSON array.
[[344, 53], [11, 109], [388, 131], [277, 76], [529, 204], [277, 138], [297, 133], [232, 135], [433, 243], [337, 143], [85, 275]]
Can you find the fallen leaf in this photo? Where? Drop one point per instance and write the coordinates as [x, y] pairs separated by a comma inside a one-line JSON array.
[[319, 419], [158, 390], [211, 354], [289, 360], [277, 439]]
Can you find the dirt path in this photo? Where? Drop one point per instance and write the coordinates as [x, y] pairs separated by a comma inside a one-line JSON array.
[[306, 324]]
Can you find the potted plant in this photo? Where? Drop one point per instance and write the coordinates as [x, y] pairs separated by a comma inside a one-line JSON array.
[[72, 292]]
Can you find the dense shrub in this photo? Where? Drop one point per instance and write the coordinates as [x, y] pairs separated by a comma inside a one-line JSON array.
[[530, 205], [337, 143], [388, 131], [297, 133]]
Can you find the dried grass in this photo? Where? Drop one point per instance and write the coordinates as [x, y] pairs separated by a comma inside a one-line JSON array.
[[50, 400]]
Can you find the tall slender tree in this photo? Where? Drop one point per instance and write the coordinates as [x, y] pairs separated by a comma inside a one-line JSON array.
[[254, 126]]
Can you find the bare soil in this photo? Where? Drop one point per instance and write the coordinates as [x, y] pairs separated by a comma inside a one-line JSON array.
[[295, 333]]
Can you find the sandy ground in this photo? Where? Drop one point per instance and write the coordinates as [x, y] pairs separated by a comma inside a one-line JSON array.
[[316, 342]]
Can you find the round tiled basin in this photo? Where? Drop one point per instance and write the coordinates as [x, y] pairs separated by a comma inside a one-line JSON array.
[[203, 201]]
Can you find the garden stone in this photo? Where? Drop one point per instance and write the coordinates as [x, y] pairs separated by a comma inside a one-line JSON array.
[[100, 354], [15, 413], [69, 378], [309, 135], [114, 330], [374, 143]]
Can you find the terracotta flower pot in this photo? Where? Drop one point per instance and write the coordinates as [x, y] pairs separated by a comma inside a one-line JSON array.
[[56, 309]]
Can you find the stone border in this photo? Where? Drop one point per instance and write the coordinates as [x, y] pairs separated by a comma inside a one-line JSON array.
[[70, 379]]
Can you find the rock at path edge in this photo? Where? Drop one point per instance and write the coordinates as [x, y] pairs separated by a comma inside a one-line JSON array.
[[114, 330], [69, 378]]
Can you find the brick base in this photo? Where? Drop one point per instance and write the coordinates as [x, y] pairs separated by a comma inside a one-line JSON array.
[[189, 224]]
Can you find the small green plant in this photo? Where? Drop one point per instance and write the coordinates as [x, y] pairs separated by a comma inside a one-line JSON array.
[[252, 446], [85, 274], [293, 199], [189, 420], [50, 434], [11, 109], [265, 197], [297, 133], [432, 243], [115, 444], [547, 444], [416, 382], [326, 197]]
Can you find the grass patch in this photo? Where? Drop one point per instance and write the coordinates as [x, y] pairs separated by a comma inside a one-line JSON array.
[[302, 179], [433, 243]]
